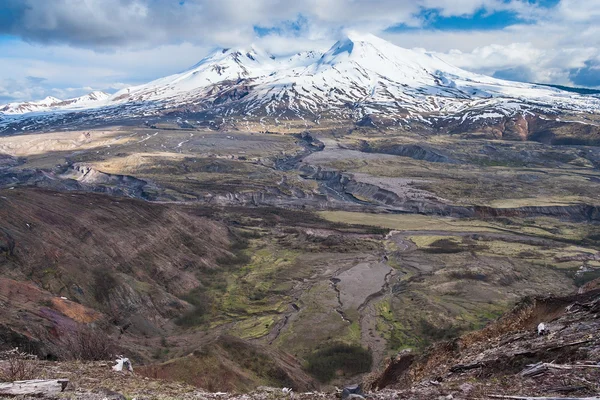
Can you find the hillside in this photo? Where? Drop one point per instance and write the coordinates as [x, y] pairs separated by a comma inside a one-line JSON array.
[[93, 258], [507, 359], [129, 276]]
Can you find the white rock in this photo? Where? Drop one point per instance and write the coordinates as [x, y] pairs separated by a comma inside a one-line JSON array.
[[122, 363]]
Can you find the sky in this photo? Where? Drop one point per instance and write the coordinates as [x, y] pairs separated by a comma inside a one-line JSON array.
[[66, 48]]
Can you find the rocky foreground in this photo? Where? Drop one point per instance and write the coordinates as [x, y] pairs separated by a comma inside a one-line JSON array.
[[509, 359]]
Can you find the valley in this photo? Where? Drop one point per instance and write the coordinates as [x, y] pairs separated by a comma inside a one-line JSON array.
[[173, 239]]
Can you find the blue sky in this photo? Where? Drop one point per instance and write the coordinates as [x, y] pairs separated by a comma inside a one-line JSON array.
[[480, 20], [66, 48]]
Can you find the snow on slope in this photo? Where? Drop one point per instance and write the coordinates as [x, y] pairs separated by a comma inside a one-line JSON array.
[[20, 108], [232, 66], [358, 76], [93, 99], [364, 71]]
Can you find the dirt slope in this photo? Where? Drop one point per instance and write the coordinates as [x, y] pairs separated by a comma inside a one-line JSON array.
[[493, 360]]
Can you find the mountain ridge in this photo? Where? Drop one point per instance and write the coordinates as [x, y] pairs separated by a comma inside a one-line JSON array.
[[49, 103]]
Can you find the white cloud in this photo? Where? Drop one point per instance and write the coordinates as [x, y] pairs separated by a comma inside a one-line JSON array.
[[523, 60], [70, 72], [75, 45], [562, 39], [117, 23]]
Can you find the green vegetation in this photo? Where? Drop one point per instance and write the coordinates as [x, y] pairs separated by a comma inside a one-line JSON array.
[[104, 282], [251, 359], [444, 246], [201, 303], [266, 273], [434, 333], [338, 359], [394, 331], [253, 328], [405, 222]]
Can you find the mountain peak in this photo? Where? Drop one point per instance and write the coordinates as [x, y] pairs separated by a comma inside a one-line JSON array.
[[235, 61], [98, 93], [359, 46], [49, 100], [352, 38], [90, 98], [355, 36]]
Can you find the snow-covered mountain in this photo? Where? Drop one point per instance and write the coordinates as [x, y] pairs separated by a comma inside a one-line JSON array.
[[91, 99], [363, 71], [360, 76], [30, 106], [53, 104]]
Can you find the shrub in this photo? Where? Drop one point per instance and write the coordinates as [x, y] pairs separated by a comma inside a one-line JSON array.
[[252, 359], [18, 366], [248, 234], [326, 363], [7, 243], [444, 246], [104, 282], [194, 317], [201, 302], [593, 237], [433, 333], [88, 343], [469, 275]]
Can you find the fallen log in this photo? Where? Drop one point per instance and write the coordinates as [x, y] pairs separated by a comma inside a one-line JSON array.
[[571, 366], [541, 367], [465, 367], [567, 389], [569, 344], [535, 369], [33, 387]]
